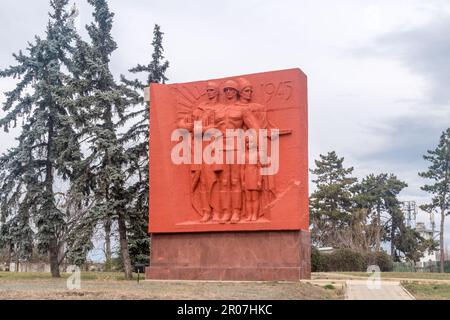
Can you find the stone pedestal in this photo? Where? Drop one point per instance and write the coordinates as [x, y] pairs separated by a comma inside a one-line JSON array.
[[238, 256]]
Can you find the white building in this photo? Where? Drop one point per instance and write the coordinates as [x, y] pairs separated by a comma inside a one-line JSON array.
[[430, 257]]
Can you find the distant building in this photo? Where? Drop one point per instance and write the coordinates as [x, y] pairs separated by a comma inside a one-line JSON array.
[[43, 267], [429, 257], [326, 249], [29, 267]]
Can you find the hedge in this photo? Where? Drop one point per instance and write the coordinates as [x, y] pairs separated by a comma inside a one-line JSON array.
[[348, 260]]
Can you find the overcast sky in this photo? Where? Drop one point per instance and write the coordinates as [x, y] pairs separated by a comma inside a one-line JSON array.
[[379, 71]]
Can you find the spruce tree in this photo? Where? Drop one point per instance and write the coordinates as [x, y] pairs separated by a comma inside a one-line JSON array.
[[16, 234], [439, 173], [137, 140], [47, 149], [103, 102]]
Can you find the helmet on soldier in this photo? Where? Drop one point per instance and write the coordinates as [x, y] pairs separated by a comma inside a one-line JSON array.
[[230, 84], [212, 86], [244, 84]]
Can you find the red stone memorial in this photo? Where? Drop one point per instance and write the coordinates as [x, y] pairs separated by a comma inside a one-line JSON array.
[[229, 179]]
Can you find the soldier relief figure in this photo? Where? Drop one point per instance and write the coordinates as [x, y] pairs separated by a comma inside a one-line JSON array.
[[229, 191]]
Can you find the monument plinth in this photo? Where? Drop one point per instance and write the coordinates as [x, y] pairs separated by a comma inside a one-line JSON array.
[[229, 179]]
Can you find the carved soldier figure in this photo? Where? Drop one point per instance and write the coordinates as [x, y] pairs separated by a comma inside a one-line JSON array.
[[259, 111], [204, 175], [232, 116]]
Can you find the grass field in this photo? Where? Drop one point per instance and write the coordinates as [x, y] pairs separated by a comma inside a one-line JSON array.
[[111, 286], [422, 285], [428, 291], [401, 275]]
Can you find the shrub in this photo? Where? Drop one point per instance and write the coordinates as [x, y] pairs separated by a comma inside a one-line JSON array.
[[348, 260], [381, 259], [318, 261]]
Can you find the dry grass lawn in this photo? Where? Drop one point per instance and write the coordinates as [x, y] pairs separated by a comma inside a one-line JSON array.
[[428, 291], [110, 286], [387, 275]]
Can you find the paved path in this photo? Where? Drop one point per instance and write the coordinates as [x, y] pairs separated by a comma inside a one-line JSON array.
[[338, 276], [384, 290]]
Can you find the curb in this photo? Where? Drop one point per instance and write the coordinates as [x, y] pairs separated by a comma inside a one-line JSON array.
[[407, 292]]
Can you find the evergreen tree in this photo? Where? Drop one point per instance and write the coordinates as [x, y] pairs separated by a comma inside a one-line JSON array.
[[411, 245], [345, 213], [395, 223], [369, 198], [103, 102], [16, 234], [47, 150], [331, 203], [137, 139], [378, 195], [439, 172]]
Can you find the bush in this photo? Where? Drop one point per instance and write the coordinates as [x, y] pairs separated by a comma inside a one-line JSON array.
[[446, 266], [318, 261], [381, 259], [348, 260], [116, 264]]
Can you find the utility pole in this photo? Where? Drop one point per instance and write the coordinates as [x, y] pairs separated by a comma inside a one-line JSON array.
[[410, 210], [432, 222]]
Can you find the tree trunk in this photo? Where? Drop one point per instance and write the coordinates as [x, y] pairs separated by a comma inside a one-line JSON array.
[[16, 268], [378, 231], [53, 248], [53, 257], [441, 242], [108, 254], [124, 248], [393, 227], [9, 259]]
